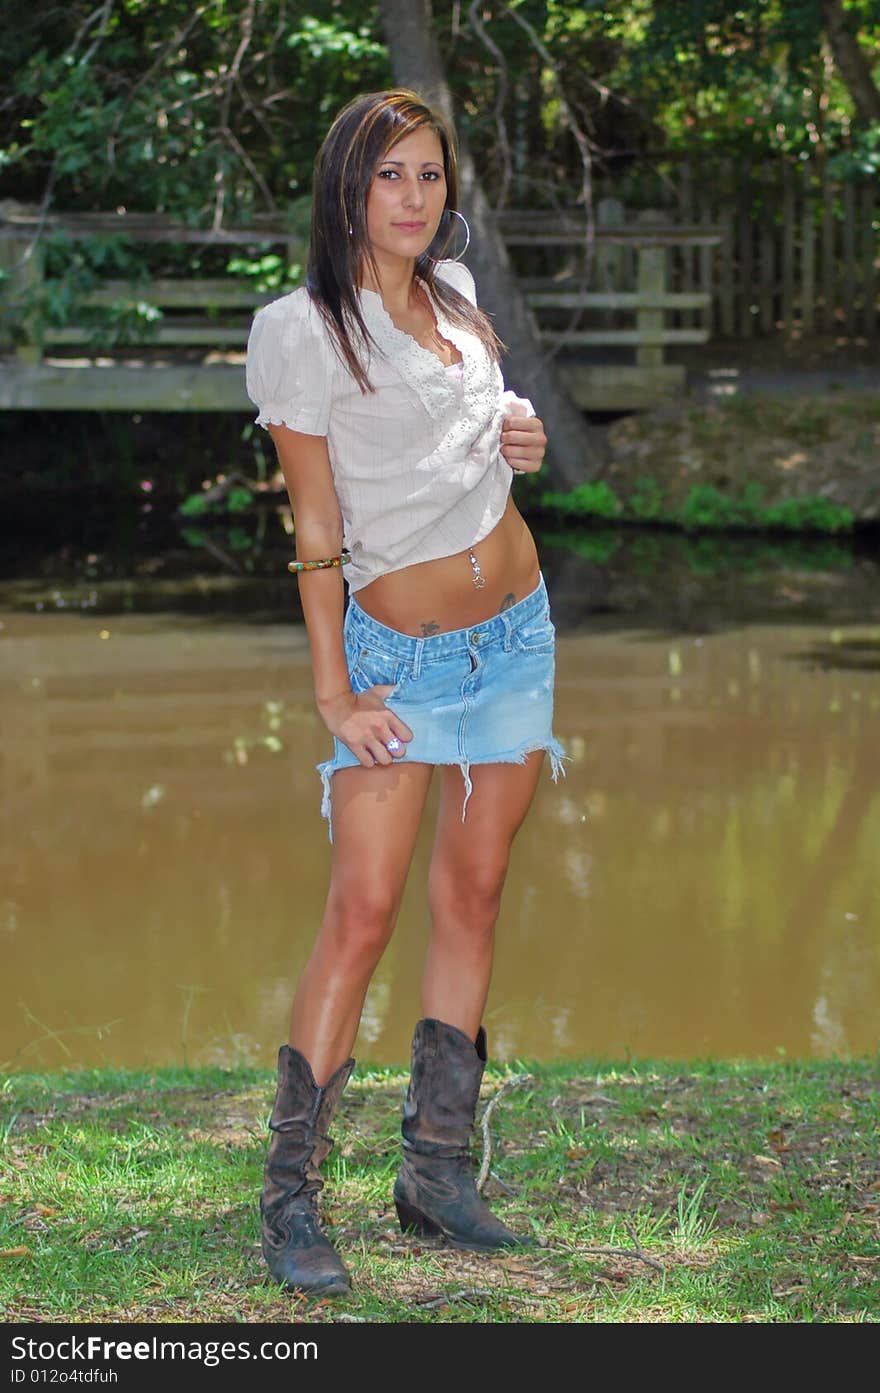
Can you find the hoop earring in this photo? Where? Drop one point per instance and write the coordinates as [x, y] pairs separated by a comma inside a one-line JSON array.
[[456, 214]]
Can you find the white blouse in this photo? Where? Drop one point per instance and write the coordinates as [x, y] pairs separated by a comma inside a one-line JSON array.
[[417, 464]]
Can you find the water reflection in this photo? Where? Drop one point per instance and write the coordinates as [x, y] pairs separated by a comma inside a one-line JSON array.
[[702, 882]]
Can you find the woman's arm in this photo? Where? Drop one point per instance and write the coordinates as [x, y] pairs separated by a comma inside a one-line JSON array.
[[362, 721], [305, 465]]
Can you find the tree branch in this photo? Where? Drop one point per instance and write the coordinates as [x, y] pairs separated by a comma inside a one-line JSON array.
[[174, 42], [231, 76], [500, 125], [484, 1123]]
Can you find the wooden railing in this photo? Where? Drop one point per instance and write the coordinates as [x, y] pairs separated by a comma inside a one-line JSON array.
[[214, 314]]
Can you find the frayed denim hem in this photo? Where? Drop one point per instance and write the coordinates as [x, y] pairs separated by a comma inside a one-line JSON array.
[[552, 747]]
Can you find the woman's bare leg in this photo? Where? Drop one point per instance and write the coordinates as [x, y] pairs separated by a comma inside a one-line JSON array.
[[466, 877], [376, 814]]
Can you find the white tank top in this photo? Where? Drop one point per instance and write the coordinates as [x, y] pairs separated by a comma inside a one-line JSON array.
[[417, 464]]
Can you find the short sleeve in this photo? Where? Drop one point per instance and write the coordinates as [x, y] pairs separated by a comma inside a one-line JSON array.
[[291, 365]]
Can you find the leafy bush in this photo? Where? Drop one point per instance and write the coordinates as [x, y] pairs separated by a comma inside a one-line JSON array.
[[267, 273], [586, 500], [646, 499], [236, 499], [706, 507], [810, 515]]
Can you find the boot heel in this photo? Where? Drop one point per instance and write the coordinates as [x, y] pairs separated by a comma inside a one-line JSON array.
[[413, 1221]]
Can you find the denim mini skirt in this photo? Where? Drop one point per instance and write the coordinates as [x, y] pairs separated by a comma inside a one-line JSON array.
[[482, 695]]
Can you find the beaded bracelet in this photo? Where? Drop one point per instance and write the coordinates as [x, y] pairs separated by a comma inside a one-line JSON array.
[[321, 565]]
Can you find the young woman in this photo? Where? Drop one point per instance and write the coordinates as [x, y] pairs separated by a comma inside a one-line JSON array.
[[380, 384]]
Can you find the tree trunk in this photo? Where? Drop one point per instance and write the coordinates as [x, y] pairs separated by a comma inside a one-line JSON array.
[[852, 62], [575, 451]]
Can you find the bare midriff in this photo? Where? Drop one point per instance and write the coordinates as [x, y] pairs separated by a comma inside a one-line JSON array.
[[433, 597]]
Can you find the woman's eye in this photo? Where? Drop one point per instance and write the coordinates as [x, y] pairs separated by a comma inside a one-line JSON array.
[[431, 174]]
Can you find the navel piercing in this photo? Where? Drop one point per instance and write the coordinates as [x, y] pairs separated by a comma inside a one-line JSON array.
[[479, 578]]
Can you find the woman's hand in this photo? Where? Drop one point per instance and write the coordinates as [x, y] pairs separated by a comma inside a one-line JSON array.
[[363, 722], [523, 441]]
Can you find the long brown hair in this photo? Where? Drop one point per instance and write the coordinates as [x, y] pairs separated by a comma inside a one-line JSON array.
[[357, 142]]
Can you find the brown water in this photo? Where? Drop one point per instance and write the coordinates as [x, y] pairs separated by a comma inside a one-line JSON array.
[[703, 882]]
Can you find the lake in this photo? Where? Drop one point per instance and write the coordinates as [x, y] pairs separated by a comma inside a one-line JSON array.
[[702, 882]]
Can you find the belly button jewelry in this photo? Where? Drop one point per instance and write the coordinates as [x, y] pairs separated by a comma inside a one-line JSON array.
[[479, 578]]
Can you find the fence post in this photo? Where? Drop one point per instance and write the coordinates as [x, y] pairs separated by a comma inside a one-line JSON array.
[[21, 276], [869, 271], [609, 259], [808, 253], [789, 219], [650, 279], [727, 250]]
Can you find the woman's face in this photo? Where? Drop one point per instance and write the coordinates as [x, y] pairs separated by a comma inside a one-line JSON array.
[[406, 197]]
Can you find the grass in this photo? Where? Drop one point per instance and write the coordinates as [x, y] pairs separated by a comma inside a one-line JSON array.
[[659, 1191]]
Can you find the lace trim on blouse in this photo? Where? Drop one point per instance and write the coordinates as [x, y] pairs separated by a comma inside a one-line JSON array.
[[421, 369]]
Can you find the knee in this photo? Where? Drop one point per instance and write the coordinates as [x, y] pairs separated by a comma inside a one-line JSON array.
[[360, 919], [468, 894]]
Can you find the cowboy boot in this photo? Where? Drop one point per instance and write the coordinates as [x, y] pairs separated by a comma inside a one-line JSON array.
[[296, 1251], [435, 1193]]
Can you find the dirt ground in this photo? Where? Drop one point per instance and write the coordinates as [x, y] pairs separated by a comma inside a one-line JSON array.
[[797, 419]]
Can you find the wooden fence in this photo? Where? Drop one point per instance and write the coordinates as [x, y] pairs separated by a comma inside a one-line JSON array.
[[213, 315], [798, 253], [682, 252]]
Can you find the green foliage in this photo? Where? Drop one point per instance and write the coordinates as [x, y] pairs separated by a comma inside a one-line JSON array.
[[239, 539], [809, 515], [237, 499], [860, 158], [707, 507], [646, 498], [267, 273], [595, 499], [185, 110], [218, 109], [747, 76], [194, 537], [70, 270]]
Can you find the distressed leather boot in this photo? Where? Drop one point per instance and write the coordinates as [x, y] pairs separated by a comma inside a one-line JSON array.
[[296, 1251], [435, 1192]]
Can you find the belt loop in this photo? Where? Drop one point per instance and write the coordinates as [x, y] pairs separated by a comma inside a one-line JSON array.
[[417, 659], [508, 630]]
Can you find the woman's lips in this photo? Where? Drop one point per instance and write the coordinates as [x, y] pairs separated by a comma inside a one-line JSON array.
[[410, 226]]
